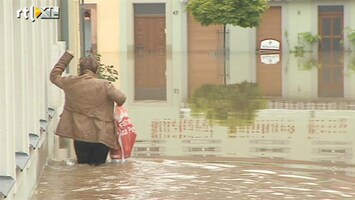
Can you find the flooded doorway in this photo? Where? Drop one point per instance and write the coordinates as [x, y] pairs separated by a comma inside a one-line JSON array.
[[331, 55], [269, 65], [205, 58], [150, 51]]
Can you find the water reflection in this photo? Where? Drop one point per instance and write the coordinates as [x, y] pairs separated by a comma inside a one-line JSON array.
[[351, 62], [267, 114], [269, 74], [228, 105], [331, 74]]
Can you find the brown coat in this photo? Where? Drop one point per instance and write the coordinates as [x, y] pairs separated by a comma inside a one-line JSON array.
[[88, 113]]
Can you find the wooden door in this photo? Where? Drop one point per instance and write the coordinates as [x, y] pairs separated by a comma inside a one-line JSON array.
[[150, 57], [331, 55], [205, 54], [269, 75], [270, 25]]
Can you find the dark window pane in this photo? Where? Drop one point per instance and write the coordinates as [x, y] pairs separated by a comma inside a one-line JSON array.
[[326, 75], [337, 44], [327, 9], [325, 59], [325, 44], [338, 75], [337, 26], [338, 57], [326, 26], [149, 9]]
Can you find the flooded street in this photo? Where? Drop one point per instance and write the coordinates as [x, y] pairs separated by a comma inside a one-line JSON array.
[[260, 130], [189, 179]]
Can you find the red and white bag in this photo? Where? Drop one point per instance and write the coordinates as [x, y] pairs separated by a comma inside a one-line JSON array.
[[126, 135]]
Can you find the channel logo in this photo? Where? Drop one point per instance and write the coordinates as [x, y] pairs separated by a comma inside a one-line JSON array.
[[34, 13]]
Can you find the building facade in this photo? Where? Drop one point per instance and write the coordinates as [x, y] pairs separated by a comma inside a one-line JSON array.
[[159, 38], [30, 46]]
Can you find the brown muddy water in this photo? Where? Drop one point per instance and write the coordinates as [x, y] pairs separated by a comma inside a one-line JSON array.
[[200, 179]]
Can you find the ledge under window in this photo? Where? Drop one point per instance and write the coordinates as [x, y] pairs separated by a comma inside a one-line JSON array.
[[34, 140], [43, 124], [21, 160], [7, 183], [51, 112]]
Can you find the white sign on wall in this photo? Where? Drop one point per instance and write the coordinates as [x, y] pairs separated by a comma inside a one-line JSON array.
[[269, 44], [270, 59]]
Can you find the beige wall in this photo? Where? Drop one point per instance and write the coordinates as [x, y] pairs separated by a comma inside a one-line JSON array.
[[74, 33], [108, 30]]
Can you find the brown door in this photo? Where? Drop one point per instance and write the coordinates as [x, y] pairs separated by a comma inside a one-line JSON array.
[[205, 54], [270, 25], [150, 53], [331, 55], [269, 75]]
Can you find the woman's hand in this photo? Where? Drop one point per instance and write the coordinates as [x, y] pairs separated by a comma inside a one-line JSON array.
[[70, 52]]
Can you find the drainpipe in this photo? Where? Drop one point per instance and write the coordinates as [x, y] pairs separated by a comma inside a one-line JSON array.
[[82, 27]]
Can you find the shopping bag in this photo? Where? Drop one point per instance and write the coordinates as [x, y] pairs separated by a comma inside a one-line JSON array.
[[126, 135]]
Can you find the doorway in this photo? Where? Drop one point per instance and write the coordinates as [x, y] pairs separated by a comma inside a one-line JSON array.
[[205, 54], [150, 52], [331, 54], [269, 74]]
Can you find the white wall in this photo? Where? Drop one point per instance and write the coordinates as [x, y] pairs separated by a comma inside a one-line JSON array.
[[27, 54]]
